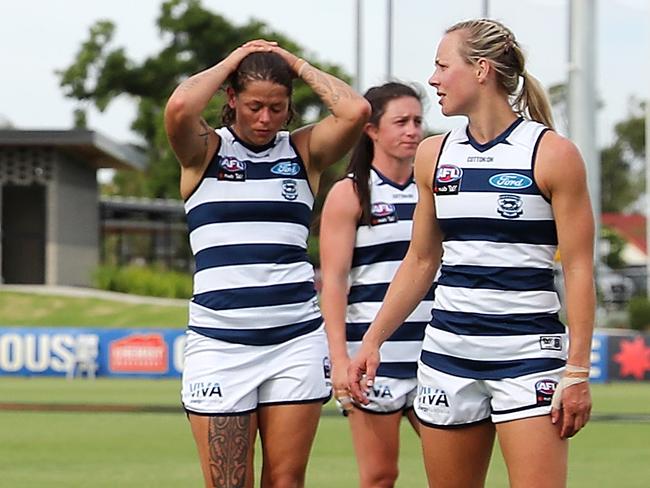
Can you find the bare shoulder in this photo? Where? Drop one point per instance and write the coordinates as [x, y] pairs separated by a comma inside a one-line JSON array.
[[343, 198], [427, 156], [558, 160], [557, 147]]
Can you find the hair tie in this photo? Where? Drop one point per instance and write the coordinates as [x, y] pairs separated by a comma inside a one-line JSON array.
[[508, 42]]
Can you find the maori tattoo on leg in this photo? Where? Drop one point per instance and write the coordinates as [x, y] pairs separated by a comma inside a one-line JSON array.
[[229, 444]]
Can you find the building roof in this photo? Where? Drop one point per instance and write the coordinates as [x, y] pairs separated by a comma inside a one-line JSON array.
[[90, 146], [630, 227]]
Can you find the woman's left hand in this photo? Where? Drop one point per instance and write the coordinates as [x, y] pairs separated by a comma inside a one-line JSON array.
[[574, 410]]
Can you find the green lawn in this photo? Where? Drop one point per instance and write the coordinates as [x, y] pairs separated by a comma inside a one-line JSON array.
[[81, 449], [51, 310], [156, 450]]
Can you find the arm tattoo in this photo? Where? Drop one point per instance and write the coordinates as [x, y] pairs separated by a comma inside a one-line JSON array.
[[229, 442], [330, 89], [189, 84], [206, 132]]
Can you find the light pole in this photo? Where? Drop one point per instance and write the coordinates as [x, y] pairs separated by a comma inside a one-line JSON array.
[[647, 192], [358, 60], [582, 98], [389, 39]]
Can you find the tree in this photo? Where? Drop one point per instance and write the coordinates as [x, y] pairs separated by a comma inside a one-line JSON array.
[[194, 39], [621, 175], [622, 171]]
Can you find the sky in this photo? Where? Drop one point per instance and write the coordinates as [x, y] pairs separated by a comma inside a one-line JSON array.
[[42, 36]]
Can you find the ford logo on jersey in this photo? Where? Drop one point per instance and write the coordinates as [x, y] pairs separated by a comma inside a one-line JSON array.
[[286, 168], [510, 181]]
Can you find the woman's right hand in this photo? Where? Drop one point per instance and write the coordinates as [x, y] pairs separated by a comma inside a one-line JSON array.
[[362, 371], [340, 386]]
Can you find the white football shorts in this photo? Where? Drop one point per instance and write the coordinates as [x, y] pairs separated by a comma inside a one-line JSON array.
[[451, 401], [221, 378], [390, 395]]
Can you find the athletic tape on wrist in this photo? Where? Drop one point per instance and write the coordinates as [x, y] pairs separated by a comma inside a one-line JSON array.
[[567, 381], [570, 368], [302, 67]]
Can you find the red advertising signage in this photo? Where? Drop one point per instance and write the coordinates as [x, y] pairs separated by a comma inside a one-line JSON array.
[[629, 357], [138, 353]]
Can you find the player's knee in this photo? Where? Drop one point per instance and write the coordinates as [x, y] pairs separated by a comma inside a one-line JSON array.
[[283, 480], [380, 477]]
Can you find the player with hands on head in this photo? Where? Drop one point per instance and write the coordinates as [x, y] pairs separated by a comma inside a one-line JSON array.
[[497, 199], [256, 356]]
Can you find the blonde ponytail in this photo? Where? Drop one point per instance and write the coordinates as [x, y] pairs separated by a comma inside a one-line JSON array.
[[491, 40]]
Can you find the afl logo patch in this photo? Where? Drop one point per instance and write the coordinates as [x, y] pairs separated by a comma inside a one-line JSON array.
[[510, 206], [448, 180], [544, 390], [287, 168], [231, 169], [289, 190], [510, 181], [382, 213]]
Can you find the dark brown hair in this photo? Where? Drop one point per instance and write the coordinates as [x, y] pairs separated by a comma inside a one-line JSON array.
[[364, 151], [259, 67]]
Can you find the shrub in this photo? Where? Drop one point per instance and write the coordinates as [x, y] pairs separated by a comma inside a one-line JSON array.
[[143, 280], [639, 312]]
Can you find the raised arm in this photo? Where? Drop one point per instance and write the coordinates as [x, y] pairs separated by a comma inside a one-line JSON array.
[[561, 173], [339, 218], [413, 278], [326, 142], [191, 138]]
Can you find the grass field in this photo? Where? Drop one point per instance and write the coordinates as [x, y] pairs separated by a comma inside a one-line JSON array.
[[99, 449], [81, 449], [51, 310]]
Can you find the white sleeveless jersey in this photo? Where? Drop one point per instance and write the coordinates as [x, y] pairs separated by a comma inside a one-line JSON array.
[[249, 220], [379, 250], [495, 313]]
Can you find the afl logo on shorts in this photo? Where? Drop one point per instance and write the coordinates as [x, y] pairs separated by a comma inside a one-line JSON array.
[[231, 169], [448, 180], [510, 206], [382, 213], [327, 368], [544, 390]]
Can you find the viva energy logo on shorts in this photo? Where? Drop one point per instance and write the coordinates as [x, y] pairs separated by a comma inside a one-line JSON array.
[[138, 353], [432, 399]]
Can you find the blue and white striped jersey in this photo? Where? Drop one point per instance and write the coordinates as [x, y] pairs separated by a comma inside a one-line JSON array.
[[495, 313], [379, 250], [249, 220]]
